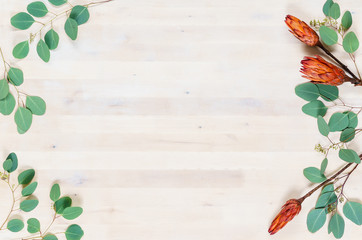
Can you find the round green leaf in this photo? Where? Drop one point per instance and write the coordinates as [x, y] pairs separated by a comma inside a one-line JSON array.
[[324, 165], [50, 237], [307, 91], [16, 76], [33, 225], [347, 135], [37, 9], [336, 225], [57, 2], [353, 211], [22, 21], [7, 104], [71, 213], [328, 188], [29, 189], [7, 165], [43, 50], [14, 159], [36, 105], [338, 122], [327, 6], [316, 219], [329, 36], [325, 199], [350, 42], [349, 155], [71, 28], [353, 119], [322, 126], [28, 205], [80, 14], [62, 204], [328, 92], [4, 88], [26, 176], [347, 20], [314, 175], [23, 118], [15, 225], [51, 39], [74, 232], [335, 11], [55, 192], [315, 108], [21, 50]]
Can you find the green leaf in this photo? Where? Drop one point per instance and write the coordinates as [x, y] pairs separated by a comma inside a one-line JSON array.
[[22, 21], [51, 39], [349, 155], [329, 36], [50, 237], [347, 135], [23, 118], [347, 20], [338, 122], [33, 225], [36, 105], [21, 50], [350, 42], [57, 2], [7, 104], [335, 11], [15, 225], [322, 126], [62, 204], [7, 165], [314, 175], [16, 76], [74, 232], [71, 28], [316, 219], [55, 192], [26, 176], [29, 189], [325, 199], [336, 226], [328, 188], [43, 50], [14, 159], [324, 166], [4, 88], [80, 14], [327, 7], [28, 205], [37, 9], [315, 108], [71, 213], [328, 92], [353, 119], [307, 91], [353, 211]]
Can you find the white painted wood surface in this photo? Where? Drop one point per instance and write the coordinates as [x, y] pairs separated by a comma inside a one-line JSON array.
[[173, 120]]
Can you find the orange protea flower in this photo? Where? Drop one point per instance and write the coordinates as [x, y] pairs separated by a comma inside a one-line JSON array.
[[302, 31], [290, 209], [319, 70]]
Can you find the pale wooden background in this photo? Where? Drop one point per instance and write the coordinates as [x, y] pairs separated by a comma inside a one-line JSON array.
[[173, 120]]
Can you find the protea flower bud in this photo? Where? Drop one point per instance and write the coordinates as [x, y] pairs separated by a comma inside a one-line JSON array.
[[290, 209], [320, 71], [302, 31]]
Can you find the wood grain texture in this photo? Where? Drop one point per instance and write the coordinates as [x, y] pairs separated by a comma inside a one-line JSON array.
[[173, 120]]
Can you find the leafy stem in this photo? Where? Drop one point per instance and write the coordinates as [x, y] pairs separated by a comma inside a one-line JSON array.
[[13, 200]]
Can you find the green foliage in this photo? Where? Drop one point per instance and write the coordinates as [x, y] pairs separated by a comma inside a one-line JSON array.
[[315, 108], [74, 232], [22, 21], [62, 204], [335, 11], [7, 104], [4, 88], [322, 126], [26, 176], [349, 155], [338, 122], [29, 205], [51, 39], [21, 50], [14, 162], [347, 20], [28, 190], [7, 165], [23, 118], [50, 237], [80, 14], [350, 42], [71, 28], [353, 119], [316, 219], [16, 76], [37, 9], [353, 211], [55, 192], [324, 165], [36, 105], [15, 225], [43, 50], [71, 213], [328, 92], [327, 7], [325, 199], [314, 175], [33, 225], [58, 2], [336, 225], [347, 135], [307, 91], [329, 36]]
